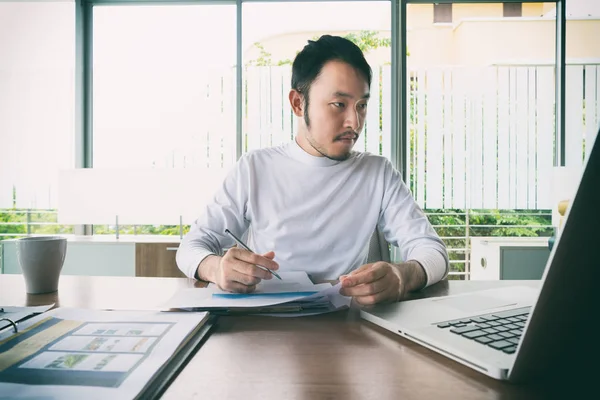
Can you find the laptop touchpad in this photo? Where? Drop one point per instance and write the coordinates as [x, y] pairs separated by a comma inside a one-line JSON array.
[[474, 302]]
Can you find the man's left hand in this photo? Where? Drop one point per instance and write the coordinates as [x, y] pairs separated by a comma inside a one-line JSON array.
[[382, 282]]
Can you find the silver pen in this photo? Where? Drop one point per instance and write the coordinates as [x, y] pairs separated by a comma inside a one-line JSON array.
[[238, 241]]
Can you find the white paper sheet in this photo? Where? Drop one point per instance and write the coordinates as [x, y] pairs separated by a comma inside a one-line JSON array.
[[292, 281], [295, 286]]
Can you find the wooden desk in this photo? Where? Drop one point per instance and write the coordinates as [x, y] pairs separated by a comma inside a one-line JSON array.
[[332, 356]]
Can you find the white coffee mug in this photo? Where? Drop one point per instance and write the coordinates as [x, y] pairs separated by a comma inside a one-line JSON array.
[[41, 259]]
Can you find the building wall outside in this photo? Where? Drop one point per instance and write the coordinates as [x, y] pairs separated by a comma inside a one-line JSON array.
[[582, 39], [547, 7], [478, 36], [536, 9], [421, 15], [479, 43], [430, 46]]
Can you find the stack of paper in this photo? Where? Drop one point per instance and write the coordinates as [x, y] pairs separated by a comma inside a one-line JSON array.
[[293, 295]]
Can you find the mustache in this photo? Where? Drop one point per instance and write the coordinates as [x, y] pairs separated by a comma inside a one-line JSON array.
[[345, 134]]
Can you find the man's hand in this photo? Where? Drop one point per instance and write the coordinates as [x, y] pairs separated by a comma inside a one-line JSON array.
[[237, 270], [382, 282]]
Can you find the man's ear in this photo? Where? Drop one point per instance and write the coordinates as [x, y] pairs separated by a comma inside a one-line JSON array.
[[297, 102]]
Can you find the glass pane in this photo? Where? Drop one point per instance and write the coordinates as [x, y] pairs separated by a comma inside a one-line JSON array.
[[582, 95], [582, 118], [37, 59], [164, 86], [481, 121], [269, 49], [164, 106]]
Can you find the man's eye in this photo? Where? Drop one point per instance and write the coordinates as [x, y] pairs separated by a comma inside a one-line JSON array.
[[339, 105], [362, 106]]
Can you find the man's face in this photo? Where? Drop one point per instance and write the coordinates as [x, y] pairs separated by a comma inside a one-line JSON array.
[[336, 112]]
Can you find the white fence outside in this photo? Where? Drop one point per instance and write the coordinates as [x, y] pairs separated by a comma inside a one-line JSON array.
[[487, 134], [482, 138]]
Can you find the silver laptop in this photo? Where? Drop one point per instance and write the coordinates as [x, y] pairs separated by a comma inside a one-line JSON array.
[[521, 333]]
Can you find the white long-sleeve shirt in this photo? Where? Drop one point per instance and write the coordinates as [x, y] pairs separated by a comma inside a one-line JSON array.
[[315, 213]]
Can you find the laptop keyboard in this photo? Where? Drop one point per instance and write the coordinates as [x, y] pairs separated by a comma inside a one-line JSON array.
[[501, 330]]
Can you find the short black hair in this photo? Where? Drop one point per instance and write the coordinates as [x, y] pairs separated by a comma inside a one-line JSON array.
[[310, 61]]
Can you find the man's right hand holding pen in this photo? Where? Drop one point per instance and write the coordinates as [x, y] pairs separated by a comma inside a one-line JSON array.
[[237, 270]]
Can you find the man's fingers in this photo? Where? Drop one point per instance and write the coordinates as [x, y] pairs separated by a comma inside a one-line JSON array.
[[367, 289], [257, 259], [251, 270], [233, 269], [387, 296], [360, 269], [244, 279], [240, 272], [356, 271], [249, 263], [364, 275]]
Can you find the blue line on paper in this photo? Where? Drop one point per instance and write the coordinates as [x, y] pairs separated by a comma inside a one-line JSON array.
[[251, 295]]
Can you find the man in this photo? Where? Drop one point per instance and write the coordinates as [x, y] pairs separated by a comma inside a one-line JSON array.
[[313, 204]]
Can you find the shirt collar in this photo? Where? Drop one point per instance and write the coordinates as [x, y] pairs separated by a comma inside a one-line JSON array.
[[299, 154]]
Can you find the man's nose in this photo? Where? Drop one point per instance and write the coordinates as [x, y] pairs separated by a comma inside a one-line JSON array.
[[352, 120]]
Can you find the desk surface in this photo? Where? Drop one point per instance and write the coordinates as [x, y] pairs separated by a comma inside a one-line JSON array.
[[331, 356]]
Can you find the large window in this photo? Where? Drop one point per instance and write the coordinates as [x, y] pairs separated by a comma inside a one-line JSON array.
[[480, 95], [481, 122], [37, 59], [269, 50]]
